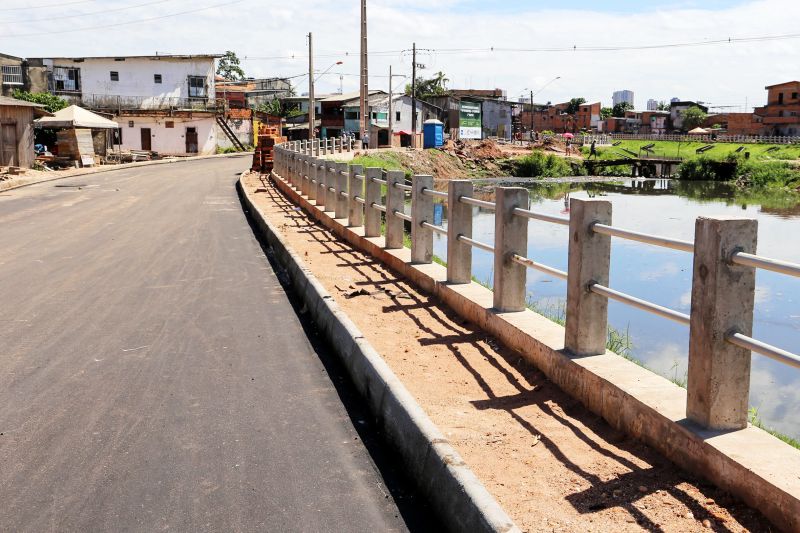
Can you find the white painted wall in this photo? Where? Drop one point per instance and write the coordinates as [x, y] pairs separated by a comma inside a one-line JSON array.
[[169, 141], [136, 76]]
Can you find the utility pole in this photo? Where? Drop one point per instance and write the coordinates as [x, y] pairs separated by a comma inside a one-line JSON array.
[[530, 133], [311, 104], [390, 105], [414, 96], [364, 108]]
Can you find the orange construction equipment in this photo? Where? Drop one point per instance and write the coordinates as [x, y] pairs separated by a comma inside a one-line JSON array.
[[263, 158]]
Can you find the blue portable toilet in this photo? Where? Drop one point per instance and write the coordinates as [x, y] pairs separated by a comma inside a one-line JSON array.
[[433, 133]]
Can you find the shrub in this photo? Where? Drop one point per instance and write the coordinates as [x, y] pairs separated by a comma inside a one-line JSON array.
[[537, 164]]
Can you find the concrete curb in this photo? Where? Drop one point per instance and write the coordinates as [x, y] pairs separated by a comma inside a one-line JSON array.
[[127, 166], [438, 470]]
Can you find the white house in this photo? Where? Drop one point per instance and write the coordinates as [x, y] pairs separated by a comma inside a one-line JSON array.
[[163, 103]]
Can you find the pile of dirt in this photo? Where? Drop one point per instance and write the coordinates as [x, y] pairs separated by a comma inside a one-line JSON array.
[[474, 150]]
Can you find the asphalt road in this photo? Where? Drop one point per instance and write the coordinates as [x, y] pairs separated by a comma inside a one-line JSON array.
[[153, 374]]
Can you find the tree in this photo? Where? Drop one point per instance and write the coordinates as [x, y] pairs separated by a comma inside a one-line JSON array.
[[574, 105], [229, 67], [619, 109], [435, 86], [662, 106], [606, 112], [273, 107], [693, 118], [50, 102]]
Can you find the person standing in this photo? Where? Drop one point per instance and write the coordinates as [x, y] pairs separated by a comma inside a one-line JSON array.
[[593, 149]]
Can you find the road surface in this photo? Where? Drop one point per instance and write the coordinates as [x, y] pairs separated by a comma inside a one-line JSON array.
[[153, 374]]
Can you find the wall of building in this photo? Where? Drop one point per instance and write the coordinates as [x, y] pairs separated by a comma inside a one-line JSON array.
[[137, 76], [22, 119], [497, 119], [241, 122], [169, 141]]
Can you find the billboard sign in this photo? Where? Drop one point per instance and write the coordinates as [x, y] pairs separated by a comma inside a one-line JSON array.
[[470, 121]]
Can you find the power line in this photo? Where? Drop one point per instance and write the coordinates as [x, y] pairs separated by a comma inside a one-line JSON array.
[[84, 14], [117, 24], [573, 48], [58, 4]]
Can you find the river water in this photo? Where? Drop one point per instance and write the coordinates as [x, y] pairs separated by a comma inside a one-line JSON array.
[[668, 208]]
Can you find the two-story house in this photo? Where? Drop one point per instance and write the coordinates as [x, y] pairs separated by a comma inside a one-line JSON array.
[[163, 103]]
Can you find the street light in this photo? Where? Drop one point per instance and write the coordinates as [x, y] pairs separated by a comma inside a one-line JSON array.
[[311, 99], [534, 94]]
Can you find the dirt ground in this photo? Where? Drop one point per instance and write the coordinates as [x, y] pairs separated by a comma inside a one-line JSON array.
[[553, 465]]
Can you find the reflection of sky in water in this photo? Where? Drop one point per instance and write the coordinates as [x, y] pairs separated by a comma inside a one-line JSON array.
[[665, 277]]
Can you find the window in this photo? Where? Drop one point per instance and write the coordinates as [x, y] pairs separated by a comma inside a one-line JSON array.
[[114, 75], [374, 116], [156, 78], [130, 123], [351, 115], [197, 87], [66, 79], [169, 124], [397, 116], [794, 96], [12, 75], [780, 98]]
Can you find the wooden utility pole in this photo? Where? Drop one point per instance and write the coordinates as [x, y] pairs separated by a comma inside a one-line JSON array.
[[530, 133], [311, 104], [414, 96], [364, 108]]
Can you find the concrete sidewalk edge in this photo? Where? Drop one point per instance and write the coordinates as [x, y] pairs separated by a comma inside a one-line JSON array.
[[126, 166], [438, 470]]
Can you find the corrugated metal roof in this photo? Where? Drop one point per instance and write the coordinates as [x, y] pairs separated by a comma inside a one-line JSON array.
[[350, 96], [5, 100]]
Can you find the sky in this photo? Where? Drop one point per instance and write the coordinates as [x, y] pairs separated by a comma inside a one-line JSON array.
[[468, 40]]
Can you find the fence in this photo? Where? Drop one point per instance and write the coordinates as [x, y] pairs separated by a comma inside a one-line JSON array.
[[723, 283], [608, 138], [133, 103]]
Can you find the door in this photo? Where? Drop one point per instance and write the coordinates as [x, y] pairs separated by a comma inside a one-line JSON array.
[[146, 139], [8, 145], [191, 141]]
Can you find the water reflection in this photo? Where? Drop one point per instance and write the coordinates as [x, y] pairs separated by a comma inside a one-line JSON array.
[[669, 208]]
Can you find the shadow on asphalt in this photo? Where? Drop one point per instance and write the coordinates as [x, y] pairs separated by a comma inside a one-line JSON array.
[[415, 510]]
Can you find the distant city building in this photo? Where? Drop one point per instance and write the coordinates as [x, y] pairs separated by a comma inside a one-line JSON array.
[[652, 105], [622, 96], [674, 99]]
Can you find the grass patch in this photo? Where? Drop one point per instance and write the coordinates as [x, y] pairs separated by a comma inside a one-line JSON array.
[[687, 150], [384, 160], [755, 419]]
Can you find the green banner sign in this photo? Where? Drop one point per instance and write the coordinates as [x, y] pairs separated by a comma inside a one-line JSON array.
[[469, 120]]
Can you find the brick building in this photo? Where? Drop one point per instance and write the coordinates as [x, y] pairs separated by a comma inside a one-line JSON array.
[[781, 115], [556, 119]]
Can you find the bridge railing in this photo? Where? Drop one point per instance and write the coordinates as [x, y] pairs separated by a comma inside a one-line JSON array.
[[723, 283]]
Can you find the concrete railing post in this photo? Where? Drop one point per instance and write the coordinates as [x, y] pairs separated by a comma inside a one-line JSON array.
[[322, 179], [321, 194], [306, 178], [330, 186], [316, 148], [589, 262], [355, 215], [395, 201], [459, 222], [421, 211], [312, 177], [333, 145], [341, 186], [291, 169], [723, 296], [511, 237], [372, 217]]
